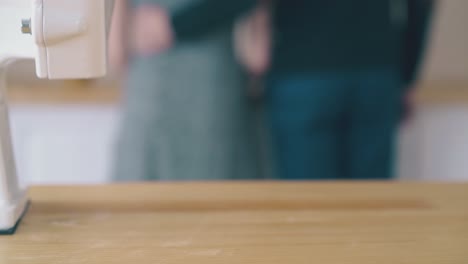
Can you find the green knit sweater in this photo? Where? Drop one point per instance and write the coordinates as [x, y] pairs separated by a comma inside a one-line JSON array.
[[331, 35]]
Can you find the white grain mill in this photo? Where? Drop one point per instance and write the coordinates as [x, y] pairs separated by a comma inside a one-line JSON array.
[[67, 40]]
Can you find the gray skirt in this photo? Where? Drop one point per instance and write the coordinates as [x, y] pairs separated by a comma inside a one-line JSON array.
[[186, 116]]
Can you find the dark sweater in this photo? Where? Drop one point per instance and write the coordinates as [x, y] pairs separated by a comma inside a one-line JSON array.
[[326, 35]]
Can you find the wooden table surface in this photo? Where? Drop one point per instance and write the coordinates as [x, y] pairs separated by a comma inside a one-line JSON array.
[[190, 223]]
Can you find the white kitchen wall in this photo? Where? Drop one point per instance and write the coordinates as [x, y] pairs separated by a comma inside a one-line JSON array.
[[447, 56], [12, 41]]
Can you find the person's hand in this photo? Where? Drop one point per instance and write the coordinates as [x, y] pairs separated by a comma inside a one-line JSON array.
[[117, 53], [117, 44], [252, 36], [151, 31], [408, 105]]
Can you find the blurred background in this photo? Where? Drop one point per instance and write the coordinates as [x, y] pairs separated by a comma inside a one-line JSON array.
[[64, 131]]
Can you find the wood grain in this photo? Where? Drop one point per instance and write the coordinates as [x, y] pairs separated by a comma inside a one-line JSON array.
[[244, 222], [85, 92], [442, 93], [65, 93]]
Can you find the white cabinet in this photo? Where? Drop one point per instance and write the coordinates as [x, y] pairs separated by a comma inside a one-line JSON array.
[[73, 144], [435, 145], [63, 144]]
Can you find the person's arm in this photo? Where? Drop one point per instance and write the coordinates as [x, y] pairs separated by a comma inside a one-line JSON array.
[[204, 16], [418, 24], [118, 46]]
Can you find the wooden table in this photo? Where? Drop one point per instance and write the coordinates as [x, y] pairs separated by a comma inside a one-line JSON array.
[[189, 223]]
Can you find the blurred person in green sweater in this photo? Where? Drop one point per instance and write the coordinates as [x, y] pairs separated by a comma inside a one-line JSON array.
[[338, 75]]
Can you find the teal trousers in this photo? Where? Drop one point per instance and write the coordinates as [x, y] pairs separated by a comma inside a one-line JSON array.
[[334, 125]]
